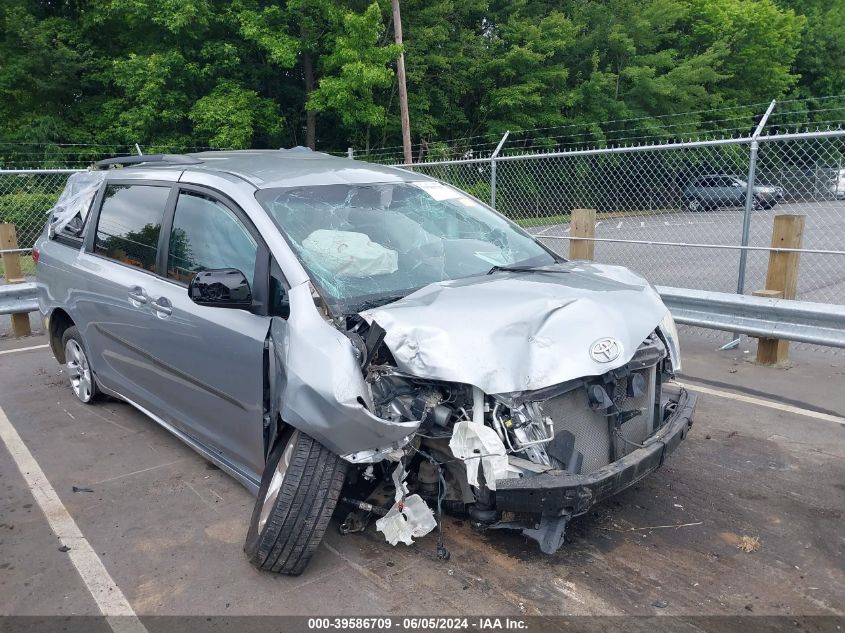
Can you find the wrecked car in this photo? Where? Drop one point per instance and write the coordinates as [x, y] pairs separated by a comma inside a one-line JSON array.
[[332, 332]]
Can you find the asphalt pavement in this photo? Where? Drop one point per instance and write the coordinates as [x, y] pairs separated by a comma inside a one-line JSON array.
[[821, 278], [764, 464]]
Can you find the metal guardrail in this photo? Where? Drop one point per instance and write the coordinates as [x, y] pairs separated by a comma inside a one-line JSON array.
[[800, 321], [18, 298]]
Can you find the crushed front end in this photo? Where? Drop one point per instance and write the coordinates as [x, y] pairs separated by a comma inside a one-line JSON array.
[[605, 433], [528, 460]]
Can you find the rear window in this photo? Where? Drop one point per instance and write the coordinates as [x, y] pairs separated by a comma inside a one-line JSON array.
[[130, 223], [69, 214]]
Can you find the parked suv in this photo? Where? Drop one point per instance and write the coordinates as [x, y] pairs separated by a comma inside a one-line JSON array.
[[719, 190], [313, 324]]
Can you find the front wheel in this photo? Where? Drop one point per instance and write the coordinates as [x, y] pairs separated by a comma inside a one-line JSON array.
[[299, 490]]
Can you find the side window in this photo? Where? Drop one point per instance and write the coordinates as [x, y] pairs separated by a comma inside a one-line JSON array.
[[207, 235], [130, 223], [279, 301]]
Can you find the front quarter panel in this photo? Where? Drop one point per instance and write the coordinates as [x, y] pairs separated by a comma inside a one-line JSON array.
[[320, 386]]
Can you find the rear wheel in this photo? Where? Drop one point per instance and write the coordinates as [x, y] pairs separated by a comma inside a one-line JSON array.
[[298, 493], [78, 367]]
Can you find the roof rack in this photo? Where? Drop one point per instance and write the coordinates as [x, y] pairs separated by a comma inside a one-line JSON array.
[[168, 159]]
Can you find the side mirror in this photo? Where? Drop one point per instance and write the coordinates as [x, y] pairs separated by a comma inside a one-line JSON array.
[[221, 288]]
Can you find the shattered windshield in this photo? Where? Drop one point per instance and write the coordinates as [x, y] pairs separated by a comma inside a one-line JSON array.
[[369, 244]]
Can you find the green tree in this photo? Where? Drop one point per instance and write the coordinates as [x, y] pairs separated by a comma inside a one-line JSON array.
[[175, 74]]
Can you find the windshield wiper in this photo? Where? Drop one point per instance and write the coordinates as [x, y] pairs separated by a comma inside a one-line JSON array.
[[524, 269], [377, 303]]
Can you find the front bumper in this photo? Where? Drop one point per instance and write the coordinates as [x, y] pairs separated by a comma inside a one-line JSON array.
[[558, 493]]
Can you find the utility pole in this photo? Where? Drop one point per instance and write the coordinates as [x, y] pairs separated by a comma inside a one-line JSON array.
[[403, 88]]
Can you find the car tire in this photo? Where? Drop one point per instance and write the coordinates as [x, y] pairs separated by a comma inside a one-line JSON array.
[[78, 367], [299, 490], [695, 205]]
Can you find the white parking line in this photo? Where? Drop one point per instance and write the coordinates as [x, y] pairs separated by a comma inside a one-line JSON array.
[[771, 404], [108, 596], [23, 349]]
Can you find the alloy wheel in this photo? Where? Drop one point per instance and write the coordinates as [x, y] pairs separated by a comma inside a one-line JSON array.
[[79, 371]]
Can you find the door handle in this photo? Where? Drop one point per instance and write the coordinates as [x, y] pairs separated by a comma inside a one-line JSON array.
[[162, 307], [137, 295]]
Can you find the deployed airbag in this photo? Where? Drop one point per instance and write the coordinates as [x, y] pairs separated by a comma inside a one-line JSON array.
[[350, 254]]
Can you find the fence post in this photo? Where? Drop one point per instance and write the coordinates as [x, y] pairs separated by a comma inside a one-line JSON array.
[[781, 279], [749, 200], [493, 157], [493, 182], [583, 225], [14, 274], [350, 152]]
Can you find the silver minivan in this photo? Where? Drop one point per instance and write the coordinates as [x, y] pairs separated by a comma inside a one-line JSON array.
[[330, 331]]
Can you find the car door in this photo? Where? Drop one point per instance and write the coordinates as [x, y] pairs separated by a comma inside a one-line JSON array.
[[709, 191], [210, 360], [118, 261]]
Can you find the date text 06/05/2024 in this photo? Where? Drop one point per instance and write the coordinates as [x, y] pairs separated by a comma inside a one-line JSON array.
[[417, 623]]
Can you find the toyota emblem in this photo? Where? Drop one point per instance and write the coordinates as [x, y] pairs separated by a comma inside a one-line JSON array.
[[605, 350]]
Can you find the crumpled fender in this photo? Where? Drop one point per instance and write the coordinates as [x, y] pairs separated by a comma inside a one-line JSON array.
[[318, 386]]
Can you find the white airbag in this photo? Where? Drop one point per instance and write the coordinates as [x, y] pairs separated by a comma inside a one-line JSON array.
[[350, 254]]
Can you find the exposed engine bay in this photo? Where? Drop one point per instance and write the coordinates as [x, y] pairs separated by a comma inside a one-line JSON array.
[[477, 454]]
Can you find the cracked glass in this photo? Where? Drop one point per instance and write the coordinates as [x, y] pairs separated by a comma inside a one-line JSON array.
[[365, 245]]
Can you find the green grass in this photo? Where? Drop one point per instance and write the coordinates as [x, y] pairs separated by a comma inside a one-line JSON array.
[[558, 218], [27, 266]]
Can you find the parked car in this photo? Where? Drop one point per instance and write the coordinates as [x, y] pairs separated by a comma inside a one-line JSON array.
[[318, 327], [719, 190]]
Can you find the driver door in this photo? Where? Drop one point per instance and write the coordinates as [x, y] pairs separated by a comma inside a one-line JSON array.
[[210, 360]]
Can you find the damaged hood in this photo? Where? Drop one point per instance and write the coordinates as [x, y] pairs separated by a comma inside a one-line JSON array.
[[520, 331]]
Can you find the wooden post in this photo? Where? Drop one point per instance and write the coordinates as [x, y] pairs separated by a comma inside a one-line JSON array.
[[583, 225], [14, 275], [11, 261], [781, 280], [769, 350]]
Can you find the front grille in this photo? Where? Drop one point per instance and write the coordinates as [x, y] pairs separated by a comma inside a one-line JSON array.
[[592, 436]]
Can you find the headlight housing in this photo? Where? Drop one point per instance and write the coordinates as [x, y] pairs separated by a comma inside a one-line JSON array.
[[669, 332]]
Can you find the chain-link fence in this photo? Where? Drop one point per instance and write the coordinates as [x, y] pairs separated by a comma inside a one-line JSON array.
[[25, 198], [681, 214]]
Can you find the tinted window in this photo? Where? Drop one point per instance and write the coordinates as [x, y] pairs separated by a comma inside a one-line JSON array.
[[207, 235], [130, 223]]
